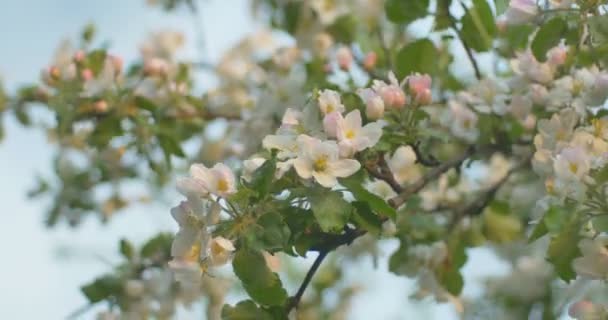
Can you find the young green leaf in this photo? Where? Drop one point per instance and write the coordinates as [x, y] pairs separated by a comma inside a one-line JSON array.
[[548, 36], [478, 26], [261, 284], [418, 56], [405, 11], [245, 310], [330, 210]]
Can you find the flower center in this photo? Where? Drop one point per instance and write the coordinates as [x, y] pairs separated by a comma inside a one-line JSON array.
[[573, 167], [222, 185], [330, 108], [349, 134], [194, 252], [320, 164]]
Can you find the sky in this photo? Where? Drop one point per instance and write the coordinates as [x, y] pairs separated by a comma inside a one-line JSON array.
[[42, 269]]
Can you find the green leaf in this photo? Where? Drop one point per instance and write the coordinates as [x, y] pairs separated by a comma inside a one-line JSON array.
[[539, 231], [501, 228], [354, 184], [418, 56], [245, 310], [170, 146], [159, 245], [365, 218], [330, 209], [501, 6], [261, 284], [145, 103], [443, 18], [344, 29], [547, 37], [405, 11], [102, 288], [478, 26], [563, 248], [96, 60], [271, 232], [127, 249], [262, 177], [598, 27]]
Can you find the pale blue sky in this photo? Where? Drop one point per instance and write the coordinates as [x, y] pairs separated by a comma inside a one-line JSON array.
[[37, 279]]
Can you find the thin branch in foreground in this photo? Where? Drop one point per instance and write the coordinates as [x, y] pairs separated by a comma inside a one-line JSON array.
[[467, 49], [295, 300], [400, 199]]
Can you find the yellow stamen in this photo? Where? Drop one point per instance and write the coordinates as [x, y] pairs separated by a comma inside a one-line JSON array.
[[349, 134], [320, 164], [222, 185]]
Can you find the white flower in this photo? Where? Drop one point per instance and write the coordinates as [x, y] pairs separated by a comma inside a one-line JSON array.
[[320, 159], [218, 180], [221, 250], [403, 164], [353, 137], [461, 120], [250, 166], [191, 240], [594, 262], [381, 189], [328, 10], [527, 66], [521, 11], [487, 96], [186, 273], [329, 101], [103, 82], [572, 163], [286, 144]]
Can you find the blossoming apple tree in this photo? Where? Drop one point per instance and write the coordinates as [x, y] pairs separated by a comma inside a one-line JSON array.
[[444, 125]]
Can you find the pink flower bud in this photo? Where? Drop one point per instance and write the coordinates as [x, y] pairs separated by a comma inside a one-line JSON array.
[[79, 56], [374, 105], [54, 73], [557, 55], [100, 106], [393, 97], [116, 63], [330, 123], [86, 74], [583, 309], [345, 58], [156, 67], [420, 88], [370, 60]]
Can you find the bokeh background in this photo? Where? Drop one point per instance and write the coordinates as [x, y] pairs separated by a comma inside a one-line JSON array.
[[41, 269]]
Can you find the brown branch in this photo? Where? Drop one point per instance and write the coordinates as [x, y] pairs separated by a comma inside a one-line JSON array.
[[467, 49], [295, 300], [427, 161], [400, 199], [478, 205], [380, 170]]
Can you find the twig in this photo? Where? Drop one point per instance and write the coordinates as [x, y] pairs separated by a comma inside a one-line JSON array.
[[467, 49], [432, 175], [295, 300], [380, 171], [427, 161], [478, 205]]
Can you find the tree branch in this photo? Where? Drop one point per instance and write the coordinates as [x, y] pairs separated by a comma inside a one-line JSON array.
[[467, 49], [400, 199], [478, 205], [295, 300]]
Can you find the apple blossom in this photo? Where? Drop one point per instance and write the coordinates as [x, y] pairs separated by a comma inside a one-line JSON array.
[[329, 101], [218, 180], [420, 88], [320, 160], [220, 250], [403, 165], [344, 57], [521, 11], [353, 136]]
